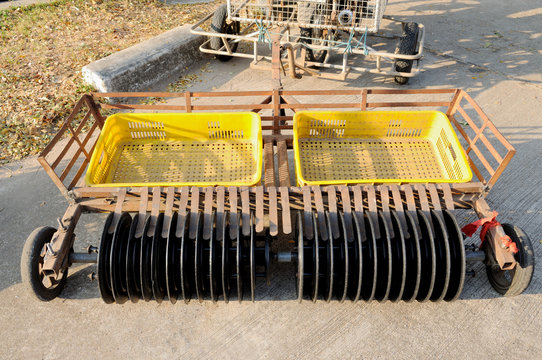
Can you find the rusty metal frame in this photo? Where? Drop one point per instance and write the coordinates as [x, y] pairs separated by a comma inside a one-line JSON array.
[[286, 40], [276, 194]]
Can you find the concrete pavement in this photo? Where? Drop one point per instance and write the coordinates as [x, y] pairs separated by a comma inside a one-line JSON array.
[[503, 76]]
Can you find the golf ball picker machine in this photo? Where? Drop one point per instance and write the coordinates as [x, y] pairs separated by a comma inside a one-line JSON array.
[[204, 198], [326, 38]]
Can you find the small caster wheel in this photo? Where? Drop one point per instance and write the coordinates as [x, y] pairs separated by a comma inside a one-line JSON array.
[[513, 282], [32, 262], [406, 46], [221, 25]]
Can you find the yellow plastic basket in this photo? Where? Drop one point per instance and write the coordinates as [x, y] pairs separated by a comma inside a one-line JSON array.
[[333, 147], [197, 149]]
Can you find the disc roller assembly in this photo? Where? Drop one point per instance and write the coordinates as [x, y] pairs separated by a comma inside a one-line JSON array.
[[339, 254], [208, 210]]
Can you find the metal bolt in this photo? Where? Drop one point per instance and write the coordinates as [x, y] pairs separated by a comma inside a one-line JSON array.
[[61, 224], [471, 247], [91, 249], [50, 250]]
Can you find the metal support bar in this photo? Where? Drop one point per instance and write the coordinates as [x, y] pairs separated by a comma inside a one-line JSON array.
[[505, 258], [471, 256], [57, 254], [83, 258]]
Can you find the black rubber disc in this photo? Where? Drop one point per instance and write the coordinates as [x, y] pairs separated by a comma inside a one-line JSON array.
[[252, 255], [300, 258], [145, 269], [187, 261], [158, 261], [225, 247], [173, 261], [315, 261], [369, 261], [383, 282], [457, 255], [356, 264], [104, 263], [442, 250], [239, 253], [341, 263], [133, 256], [213, 262], [427, 252], [398, 258], [413, 261], [198, 261], [118, 259], [330, 264]]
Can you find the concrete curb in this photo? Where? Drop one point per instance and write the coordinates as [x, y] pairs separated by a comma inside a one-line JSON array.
[[147, 64]]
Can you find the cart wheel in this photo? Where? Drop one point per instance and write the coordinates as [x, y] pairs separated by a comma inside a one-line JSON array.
[[309, 36], [221, 25], [513, 282], [406, 46], [32, 262]]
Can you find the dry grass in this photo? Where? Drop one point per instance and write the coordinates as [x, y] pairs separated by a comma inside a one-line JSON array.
[[44, 48]]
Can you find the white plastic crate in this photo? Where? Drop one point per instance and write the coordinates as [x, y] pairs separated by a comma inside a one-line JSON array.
[[356, 15]]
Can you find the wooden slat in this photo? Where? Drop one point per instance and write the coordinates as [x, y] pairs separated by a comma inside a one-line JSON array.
[[194, 212], [269, 164], [208, 213], [398, 205], [183, 108], [424, 203], [168, 213], [118, 210], [285, 207], [276, 109], [70, 141], [155, 210], [363, 105], [435, 199], [333, 212], [259, 209], [447, 194], [307, 213], [373, 209], [62, 129], [358, 208], [473, 167], [320, 211], [385, 200], [72, 162], [188, 101], [179, 94], [473, 146], [143, 201], [234, 221], [273, 212], [220, 208], [183, 203], [458, 96], [245, 210], [284, 170], [347, 212]]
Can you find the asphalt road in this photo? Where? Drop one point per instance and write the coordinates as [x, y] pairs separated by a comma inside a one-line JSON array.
[[492, 49]]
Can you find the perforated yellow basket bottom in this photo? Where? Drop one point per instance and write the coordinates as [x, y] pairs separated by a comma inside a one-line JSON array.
[[368, 160], [172, 162]]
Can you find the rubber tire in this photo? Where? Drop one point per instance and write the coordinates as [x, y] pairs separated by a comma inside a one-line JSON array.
[[523, 273], [220, 25], [310, 55], [406, 46], [30, 262]]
